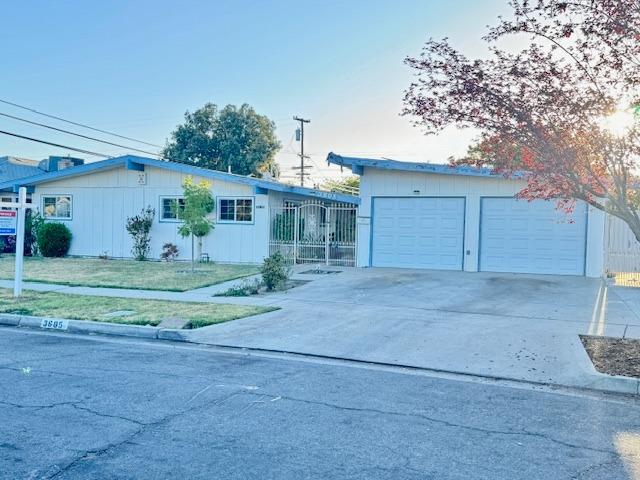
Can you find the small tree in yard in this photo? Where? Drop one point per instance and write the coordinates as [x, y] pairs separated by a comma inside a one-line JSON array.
[[562, 109], [139, 227], [198, 205]]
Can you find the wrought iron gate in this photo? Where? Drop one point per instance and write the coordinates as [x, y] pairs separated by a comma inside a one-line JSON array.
[[314, 233]]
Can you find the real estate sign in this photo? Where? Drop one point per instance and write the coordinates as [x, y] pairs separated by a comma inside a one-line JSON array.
[[8, 221]]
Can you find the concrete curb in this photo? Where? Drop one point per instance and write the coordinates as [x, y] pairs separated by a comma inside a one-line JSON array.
[[84, 326], [598, 381], [603, 381]]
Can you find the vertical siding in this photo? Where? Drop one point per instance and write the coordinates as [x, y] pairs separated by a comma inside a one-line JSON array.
[[389, 183], [102, 201]]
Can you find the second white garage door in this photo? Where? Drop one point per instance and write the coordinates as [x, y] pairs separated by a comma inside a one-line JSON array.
[[531, 237], [418, 232]]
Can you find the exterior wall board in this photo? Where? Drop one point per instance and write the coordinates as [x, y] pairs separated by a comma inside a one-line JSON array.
[[103, 200], [380, 183]]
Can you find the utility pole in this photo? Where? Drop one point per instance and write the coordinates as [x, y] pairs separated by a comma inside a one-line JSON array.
[[301, 154]]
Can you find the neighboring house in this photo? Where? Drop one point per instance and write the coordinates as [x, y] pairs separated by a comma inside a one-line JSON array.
[[421, 215], [14, 168], [95, 199]]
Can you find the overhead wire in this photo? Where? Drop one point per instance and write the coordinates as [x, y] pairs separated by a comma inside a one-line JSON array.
[[77, 124], [68, 132], [66, 147]]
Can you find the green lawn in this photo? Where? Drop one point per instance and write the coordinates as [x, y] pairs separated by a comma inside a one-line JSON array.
[[89, 272], [147, 312]]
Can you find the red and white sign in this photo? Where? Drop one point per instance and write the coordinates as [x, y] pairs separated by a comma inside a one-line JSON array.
[[8, 220]]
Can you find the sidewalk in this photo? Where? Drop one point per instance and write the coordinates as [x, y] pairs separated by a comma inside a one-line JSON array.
[[204, 295]]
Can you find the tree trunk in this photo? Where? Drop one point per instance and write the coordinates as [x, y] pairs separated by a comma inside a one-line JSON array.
[[193, 263], [199, 250]]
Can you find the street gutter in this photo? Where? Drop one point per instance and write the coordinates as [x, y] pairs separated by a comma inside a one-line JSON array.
[[597, 381]]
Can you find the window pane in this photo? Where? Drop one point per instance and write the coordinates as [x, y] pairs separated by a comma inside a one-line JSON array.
[[227, 209], [63, 207], [168, 208], [49, 206], [244, 210], [7, 200], [171, 207], [56, 207]]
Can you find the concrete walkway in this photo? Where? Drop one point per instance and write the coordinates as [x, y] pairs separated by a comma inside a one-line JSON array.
[[504, 325], [205, 294]]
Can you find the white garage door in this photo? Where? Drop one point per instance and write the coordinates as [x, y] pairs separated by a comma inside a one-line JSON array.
[[418, 232], [531, 237]]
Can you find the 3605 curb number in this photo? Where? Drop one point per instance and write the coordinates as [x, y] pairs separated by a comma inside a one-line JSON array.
[[54, 324]]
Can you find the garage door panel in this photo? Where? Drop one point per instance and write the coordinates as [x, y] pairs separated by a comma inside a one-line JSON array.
[[418, 232], [531, 237]]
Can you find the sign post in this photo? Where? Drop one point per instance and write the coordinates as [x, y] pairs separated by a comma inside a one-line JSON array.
[[12, 223], [22, 210]]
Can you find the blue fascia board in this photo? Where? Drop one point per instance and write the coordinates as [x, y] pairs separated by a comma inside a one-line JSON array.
[[131, 165], [30, 188], [358, 164], [256, 182], [184, 168]]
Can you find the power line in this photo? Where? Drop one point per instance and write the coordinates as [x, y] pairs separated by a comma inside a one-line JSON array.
[[80, 150], [77, 134], [78, 124]]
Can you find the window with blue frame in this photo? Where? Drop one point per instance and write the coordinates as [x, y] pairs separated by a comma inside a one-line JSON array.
[[235, 210]]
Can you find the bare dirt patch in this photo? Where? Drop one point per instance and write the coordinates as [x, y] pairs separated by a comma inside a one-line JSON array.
[[614, 356]]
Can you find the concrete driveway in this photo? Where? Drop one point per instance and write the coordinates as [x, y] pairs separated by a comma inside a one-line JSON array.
[[503, 325]]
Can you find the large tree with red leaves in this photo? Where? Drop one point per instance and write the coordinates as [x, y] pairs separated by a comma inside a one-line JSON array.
[[546, 109]]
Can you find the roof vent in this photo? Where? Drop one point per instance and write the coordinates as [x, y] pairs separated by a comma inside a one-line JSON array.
[[55, 163]]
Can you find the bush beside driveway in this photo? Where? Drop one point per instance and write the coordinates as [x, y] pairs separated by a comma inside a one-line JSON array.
[[93, 272]]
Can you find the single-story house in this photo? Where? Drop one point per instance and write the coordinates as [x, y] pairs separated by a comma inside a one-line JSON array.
[[95, 199], [421, 215]]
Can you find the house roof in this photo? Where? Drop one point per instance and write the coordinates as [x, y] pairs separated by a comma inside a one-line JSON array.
[[12, 168], [138, 163], [357, 165]]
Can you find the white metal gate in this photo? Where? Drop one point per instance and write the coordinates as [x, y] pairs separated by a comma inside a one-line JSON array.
[[622, 253], [314, 233]]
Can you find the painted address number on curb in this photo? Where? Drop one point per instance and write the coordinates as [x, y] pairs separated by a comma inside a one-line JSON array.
[[55, 324]]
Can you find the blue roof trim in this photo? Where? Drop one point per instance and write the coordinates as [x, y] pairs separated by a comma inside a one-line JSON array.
[[182, 168], [357, 165]]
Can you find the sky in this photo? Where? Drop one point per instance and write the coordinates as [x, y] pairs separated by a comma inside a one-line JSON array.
[[135, 67]]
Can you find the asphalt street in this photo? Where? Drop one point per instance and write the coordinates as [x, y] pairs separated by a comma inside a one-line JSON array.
[[87, 407]]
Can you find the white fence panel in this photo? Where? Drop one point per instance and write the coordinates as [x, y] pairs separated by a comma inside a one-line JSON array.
[[622, 253]]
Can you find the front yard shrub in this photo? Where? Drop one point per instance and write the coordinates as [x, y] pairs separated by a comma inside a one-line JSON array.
[[139, 227], [33, 223], [54, 239], [245, 289], [274, 271], [169, 252]]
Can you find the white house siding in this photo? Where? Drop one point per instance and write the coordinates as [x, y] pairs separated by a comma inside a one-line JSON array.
[[393, 183], [102, 201]]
